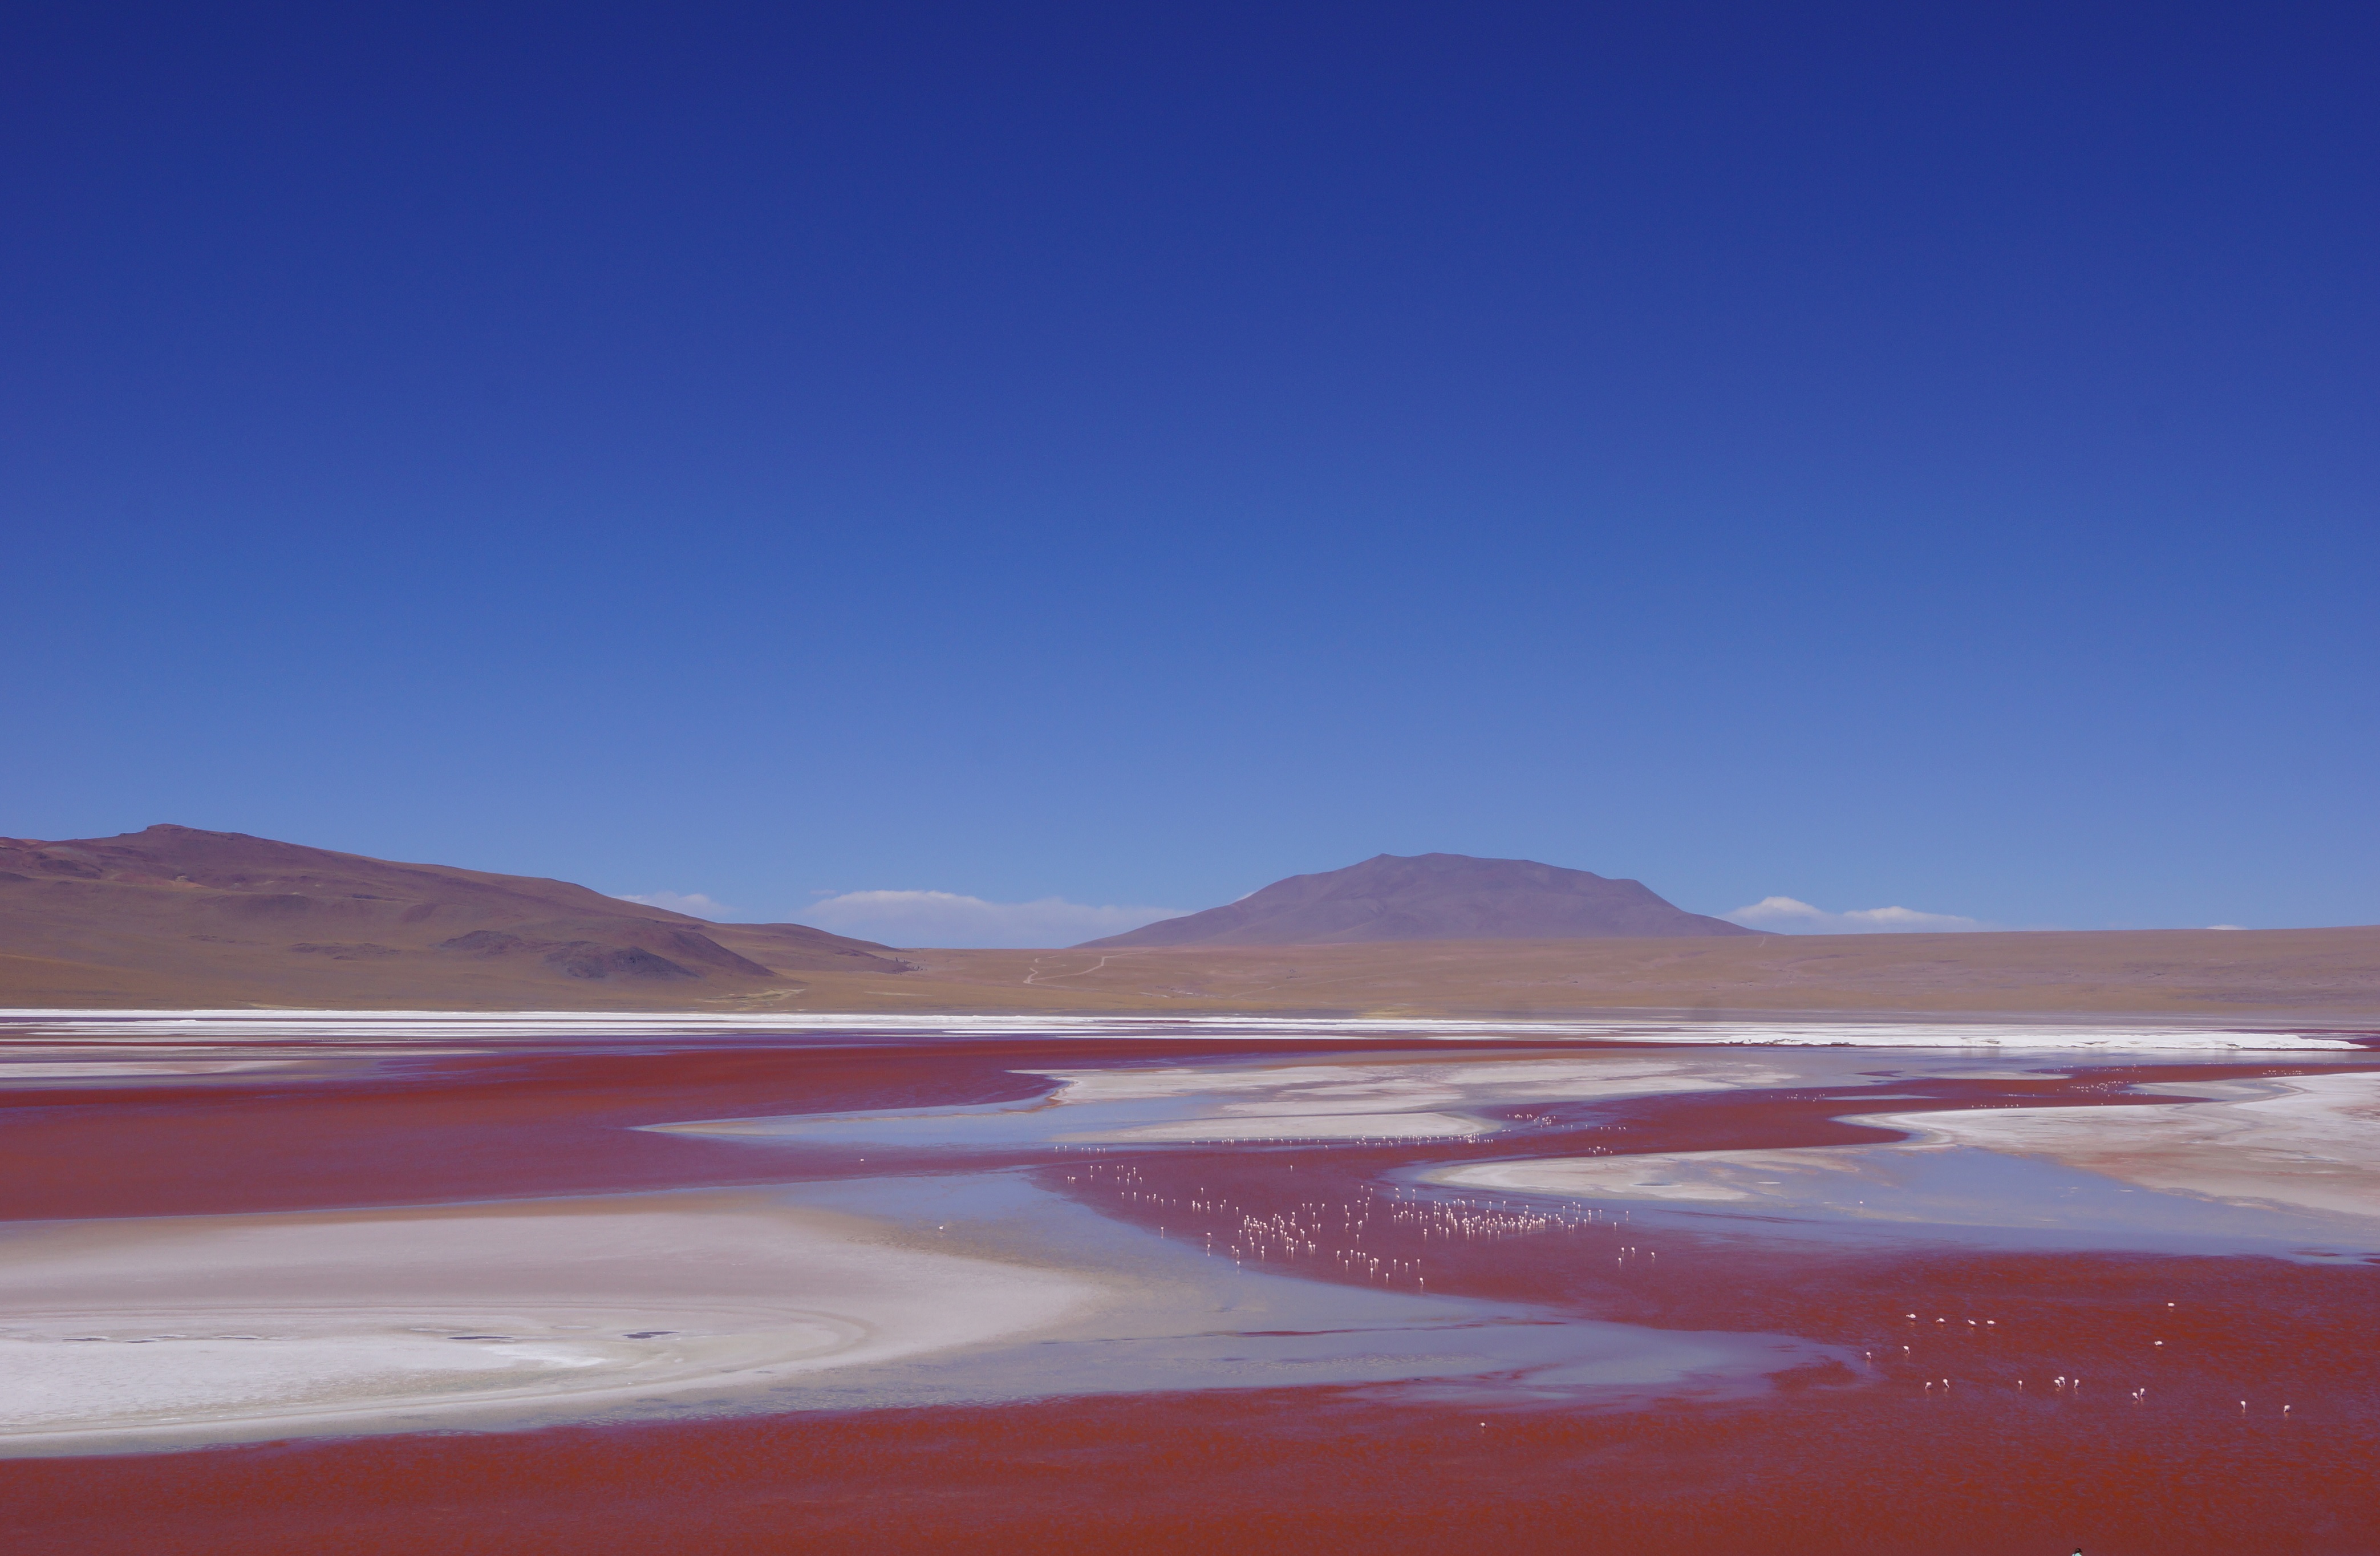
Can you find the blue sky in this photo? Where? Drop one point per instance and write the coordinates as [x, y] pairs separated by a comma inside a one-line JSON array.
[[1116, 458]]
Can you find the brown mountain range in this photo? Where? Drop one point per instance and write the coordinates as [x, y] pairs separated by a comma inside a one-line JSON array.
[[174, 919], [1431, 896], [246, 917]]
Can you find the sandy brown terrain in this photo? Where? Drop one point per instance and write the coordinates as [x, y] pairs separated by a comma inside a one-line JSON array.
[[2254, 975]]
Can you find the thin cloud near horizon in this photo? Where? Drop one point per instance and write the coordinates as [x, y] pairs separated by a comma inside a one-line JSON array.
[[1790, 916]]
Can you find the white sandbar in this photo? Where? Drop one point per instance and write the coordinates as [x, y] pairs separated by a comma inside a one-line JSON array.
[[2286, 1149], [1294, 1127], [1329, 1100], [207, 1329], [1373, 1099], [442, 1027], [1376, 1086], [1708, 1176], [2308, 1141]]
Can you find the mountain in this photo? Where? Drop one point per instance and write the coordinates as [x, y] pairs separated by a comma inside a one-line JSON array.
[[175, 919], [1431, 896], [249, 917]]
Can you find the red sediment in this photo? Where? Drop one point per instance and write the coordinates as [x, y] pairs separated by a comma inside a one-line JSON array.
[[473, 1126], [1821, 1471], [1874, 1458], [541, 1122], [469, 1127]]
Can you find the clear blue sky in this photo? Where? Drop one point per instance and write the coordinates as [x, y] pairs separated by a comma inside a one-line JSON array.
[[1871, 455]]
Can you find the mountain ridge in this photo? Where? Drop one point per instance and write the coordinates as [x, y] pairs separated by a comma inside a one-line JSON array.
[[1431, 896], [212, 907]]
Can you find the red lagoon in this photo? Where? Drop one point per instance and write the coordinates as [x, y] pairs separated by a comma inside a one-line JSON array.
[[1957, 1393]]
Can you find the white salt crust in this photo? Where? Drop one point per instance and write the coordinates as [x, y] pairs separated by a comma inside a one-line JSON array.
[[224, 1328], [447, 1025]]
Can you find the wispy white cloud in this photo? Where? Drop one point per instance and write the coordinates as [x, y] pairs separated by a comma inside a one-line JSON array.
[[1788, 916], [694, 903], [948, 919]]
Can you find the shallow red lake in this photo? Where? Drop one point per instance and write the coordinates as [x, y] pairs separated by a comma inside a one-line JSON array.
[[2001, 1383]]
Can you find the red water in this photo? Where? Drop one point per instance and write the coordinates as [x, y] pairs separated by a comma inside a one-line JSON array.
[[1832, 1461]]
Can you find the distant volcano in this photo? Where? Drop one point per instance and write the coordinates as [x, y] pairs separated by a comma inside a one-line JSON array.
[[1432, 896]]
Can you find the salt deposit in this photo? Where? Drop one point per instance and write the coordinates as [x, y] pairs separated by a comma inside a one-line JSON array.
[[442, 1026], [238, 1327], [1357, 1099], [2308, 1141]]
